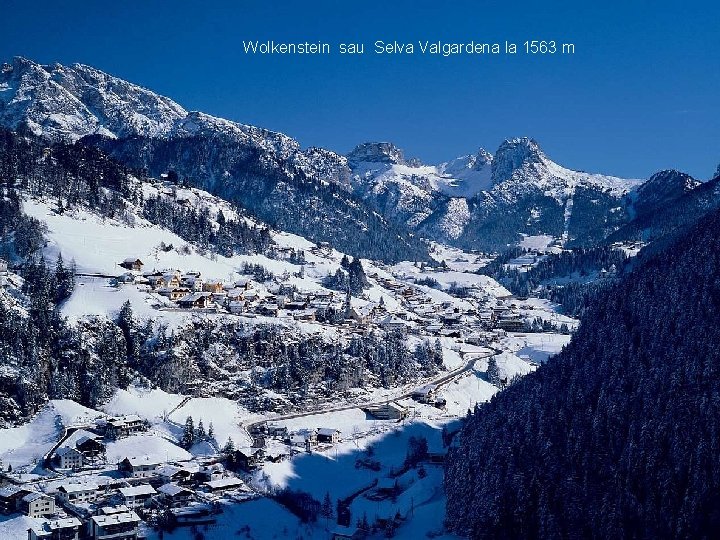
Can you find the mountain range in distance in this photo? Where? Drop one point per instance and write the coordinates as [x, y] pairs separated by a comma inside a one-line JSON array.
[[391, 204]]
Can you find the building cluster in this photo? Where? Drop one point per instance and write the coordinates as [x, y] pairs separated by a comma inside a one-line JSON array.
[[308, 439], [419, 312], [112, 506]]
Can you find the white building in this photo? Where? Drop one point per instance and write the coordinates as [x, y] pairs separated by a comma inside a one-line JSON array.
[[77, 493], [36, 505], [66, 529], [115, 526], [69, 458], [137, 496]]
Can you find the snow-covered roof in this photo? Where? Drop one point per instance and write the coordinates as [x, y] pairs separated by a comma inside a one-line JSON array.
[[327, 432], [134, 491], [30, 497], [225, 483], [120, 517], [78, 488], [66, 450], [172, 489]]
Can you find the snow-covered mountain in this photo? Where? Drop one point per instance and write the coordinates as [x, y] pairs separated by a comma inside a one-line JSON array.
[[662, 188], [66, 103], [474, 201], [469, 199], [304, 191]]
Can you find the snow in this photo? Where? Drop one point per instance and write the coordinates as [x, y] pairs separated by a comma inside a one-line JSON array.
[[225, 415], [261, 519], [538, 347], [15, 526], [151, 446], [538, 242], [25, 445], [150, 404]]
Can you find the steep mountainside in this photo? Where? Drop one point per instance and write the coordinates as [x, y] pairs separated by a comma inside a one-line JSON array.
[[680, 203], [616, 437], [301, 191], [477, 201], [485, 201]]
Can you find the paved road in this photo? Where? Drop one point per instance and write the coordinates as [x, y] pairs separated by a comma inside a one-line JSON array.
[[438, 381]]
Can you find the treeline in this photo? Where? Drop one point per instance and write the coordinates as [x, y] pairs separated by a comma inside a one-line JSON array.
[[615, 437], [43, 357], [301, 368], [273, 189], [350, 276], [227, 237], [570, 278], [83, 176]]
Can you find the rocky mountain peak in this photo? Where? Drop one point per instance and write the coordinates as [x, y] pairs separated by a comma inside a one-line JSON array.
[[376, 152], [512, 154]]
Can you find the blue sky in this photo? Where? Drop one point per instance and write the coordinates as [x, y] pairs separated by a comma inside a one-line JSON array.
[[641, 93]]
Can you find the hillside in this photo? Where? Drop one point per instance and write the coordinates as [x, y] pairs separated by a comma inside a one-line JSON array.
[[300, 191], [483, 201], [615, 436]]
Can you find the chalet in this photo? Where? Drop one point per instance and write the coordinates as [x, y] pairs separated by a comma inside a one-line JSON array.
[[171, 279], [173, 495], [244, 283], [477, 338], [192, 281], [249, 459], [138, 467], [11, 497], [391, 322], [77, 493], [276, 431], [328, 435], [362, 314], [210, 473], [251, 296], [305, 315], [127, 277], [511, 323], [222, 485], [197, 514], [196, 300], [306, 438], [235, 294], [276, 455], [116, 428], [90, 445], [173, 293], [388, 411], [69, 458], [213, 287], [269, 310], [132, 264], [58, 529], [115, 526], [173, 473], [450, 332], [425, 394], [451, 319], [433, 328], [137, 496], [237, 307], [155, 280], [295, 305], [37, 505]]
